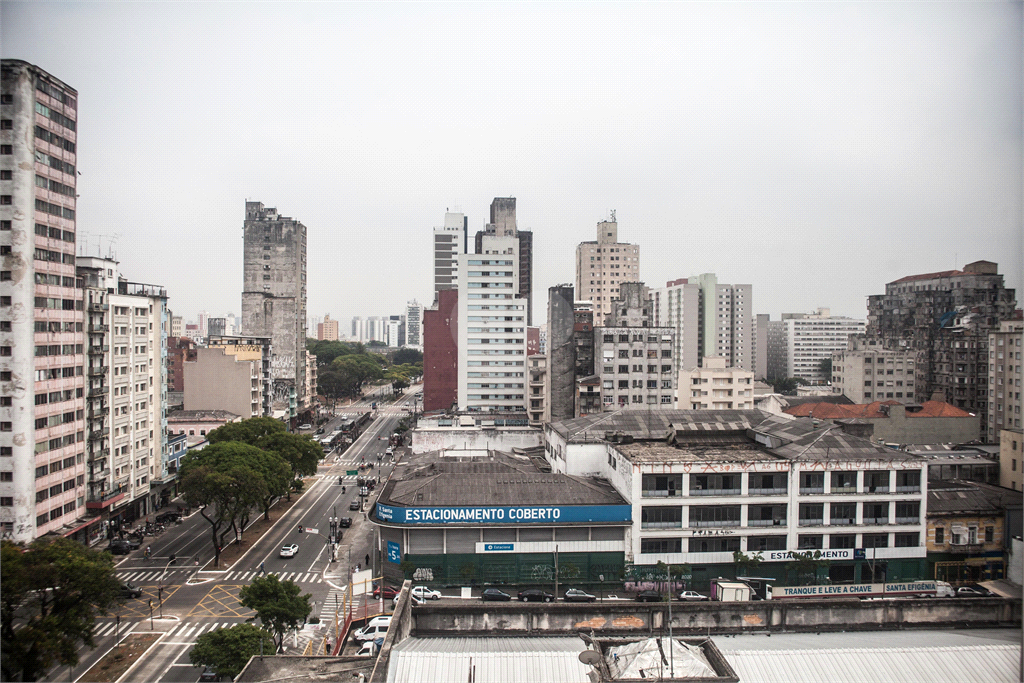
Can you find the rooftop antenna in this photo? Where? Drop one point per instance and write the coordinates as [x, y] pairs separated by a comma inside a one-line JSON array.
[[613, 216]]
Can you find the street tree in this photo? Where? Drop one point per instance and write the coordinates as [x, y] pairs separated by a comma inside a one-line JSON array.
[[280, 605], [334, 384], [228, 649], [220, 481], [50, 594], [300, 451], [807, 566], [276, 475], [247, 431], [825, 366], [359, 369], [746, 564], [403, 356]]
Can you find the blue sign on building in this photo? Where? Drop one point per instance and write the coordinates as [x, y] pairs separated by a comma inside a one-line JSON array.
[[517, 514], [394, 552], [499, 547]]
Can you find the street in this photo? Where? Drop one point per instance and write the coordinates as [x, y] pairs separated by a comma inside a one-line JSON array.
[[211, 600]]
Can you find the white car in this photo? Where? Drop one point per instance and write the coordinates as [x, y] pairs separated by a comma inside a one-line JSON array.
[[369, 633], [692, 596], [289, 550], [367, 650], [306, 426], [424, 593]]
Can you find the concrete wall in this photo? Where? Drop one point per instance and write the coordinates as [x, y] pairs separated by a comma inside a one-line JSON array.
[[899, 428], [216, 381], [693, 618], [561, 352], [475, 439]]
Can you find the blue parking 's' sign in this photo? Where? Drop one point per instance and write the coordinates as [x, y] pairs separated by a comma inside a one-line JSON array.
[[394, 552]]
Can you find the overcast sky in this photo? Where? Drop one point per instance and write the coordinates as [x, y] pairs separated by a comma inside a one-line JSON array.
[[815, 150]]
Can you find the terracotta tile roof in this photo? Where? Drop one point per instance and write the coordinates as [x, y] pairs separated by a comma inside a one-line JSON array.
[[928, 276], [831, 411]]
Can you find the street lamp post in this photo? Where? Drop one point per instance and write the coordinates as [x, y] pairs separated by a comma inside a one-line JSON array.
[[160, 585]]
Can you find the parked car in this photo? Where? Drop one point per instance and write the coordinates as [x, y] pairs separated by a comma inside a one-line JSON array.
[[289, 550], [413, 598], [692, 596], [577, 595], [306, 426], [117, 547], [354, 505], [128, 590], [371, 632], [133, 542], [380, 621], [424, 593], [168, 517], [973, 590], [389, 591], [367, 649], [208, 675], [345, 522], [535, 595], [495, 595], [649, 596]]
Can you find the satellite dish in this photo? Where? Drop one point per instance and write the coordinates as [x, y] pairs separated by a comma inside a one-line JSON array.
[[590, 657]]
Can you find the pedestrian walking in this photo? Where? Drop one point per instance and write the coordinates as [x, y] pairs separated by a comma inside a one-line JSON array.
[[367, 559], [149, 551], [263, 569]]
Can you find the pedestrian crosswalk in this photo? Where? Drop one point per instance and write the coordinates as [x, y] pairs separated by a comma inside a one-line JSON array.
[[108, 628], [191, 630], [297, 577], [150, 574]]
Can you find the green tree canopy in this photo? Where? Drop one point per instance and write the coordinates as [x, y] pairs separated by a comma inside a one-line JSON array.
[[50, 594], [357, 370], [247, 431], [404, 356], [825, 366], [228, 649], [299, 450], [278, 604], [222, 481], [326, 351]]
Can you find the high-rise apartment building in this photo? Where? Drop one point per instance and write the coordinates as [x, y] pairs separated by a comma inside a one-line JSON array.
[[358, 329], [492, 327], [709, 319], [807, 340], [274, 297], [395, 331], [42, 335], [327, 330], [450, 240], [177, 326], [503, 224], [413, 324], [1004, 380], [948, 316], [126, 400], [603, 265], [866, 371], [634, 358], [441, 352]]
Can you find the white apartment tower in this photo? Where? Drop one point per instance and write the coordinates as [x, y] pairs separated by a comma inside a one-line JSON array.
[[713, 386], [604, 264], [809, 339], [450, 241], [414, 324], [492, 340], [42, 337]]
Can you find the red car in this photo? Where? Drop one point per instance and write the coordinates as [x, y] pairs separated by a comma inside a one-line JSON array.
[[389, 592]]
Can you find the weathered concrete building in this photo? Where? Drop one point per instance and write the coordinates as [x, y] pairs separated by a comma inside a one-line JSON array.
[[441, 352], [869, 370], [947, 316], [537, 371], [561, 353], [227, 378], [603, 265], [635, 359], [274, 298], [42, 340]]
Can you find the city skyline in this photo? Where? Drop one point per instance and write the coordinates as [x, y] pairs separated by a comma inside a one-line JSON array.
[[832, 148]]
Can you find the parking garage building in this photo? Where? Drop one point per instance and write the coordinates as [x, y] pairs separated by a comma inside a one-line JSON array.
[[499, 519]]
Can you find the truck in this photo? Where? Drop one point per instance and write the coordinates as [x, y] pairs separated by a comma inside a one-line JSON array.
[[729, 591], [906, 589]]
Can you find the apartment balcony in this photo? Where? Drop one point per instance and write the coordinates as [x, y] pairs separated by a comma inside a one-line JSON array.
[[97, 434], [98, 308], [811, 490], [908, 489], [100, 501], [768, 492], [908, 520], [99, 328], [966, 549], [98, 371], [720, 523], [101, 411], [715, 492], [766, 522], [98, 391], [808, 521], [660, 493], [96, 350], [875, 521]]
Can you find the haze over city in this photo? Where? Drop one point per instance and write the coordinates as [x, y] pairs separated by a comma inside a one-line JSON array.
[[815, 151]]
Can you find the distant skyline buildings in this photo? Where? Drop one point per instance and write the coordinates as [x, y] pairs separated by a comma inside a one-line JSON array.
[[450, 240], [603, 265]]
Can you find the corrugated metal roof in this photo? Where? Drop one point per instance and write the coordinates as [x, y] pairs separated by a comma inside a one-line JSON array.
[[969, 664], [488, 660]]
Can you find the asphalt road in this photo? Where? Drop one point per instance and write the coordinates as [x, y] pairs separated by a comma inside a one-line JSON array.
[[189, 610]]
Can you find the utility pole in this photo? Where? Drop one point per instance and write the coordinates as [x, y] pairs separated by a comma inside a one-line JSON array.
[[556, 572]]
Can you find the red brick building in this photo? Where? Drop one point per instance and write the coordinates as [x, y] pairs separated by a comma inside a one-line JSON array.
[[441, 352]]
